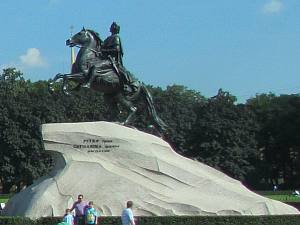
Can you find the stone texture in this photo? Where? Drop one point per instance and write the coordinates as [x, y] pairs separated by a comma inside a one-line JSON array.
[[110, 164]]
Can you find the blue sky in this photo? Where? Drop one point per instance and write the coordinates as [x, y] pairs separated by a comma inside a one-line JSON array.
[[244, 47]]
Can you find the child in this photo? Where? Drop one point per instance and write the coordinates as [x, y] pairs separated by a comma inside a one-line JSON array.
[[68, 218], [91, 214]]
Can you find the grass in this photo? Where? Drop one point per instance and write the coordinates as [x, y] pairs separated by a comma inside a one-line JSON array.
[[4, 198], [280, 192], [284, 198]]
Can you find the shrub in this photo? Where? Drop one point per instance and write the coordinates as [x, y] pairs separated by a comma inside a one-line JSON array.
[[170, 220], [15, 221]]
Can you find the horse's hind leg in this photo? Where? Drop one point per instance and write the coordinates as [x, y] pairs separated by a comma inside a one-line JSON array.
[[130, 107], [113, 109], [90, 78], [131, 114]]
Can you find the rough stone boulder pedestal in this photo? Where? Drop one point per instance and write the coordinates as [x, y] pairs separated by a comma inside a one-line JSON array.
[[110, 164]]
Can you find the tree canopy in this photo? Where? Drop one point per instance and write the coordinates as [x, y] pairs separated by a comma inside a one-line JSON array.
[[257, 142]]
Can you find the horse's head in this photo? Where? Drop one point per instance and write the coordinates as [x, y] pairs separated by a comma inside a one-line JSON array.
[[84, 38]]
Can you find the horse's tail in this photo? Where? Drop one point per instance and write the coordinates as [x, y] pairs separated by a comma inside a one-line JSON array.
[[158, 122]]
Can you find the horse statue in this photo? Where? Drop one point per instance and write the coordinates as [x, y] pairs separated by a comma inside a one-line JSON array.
[[91, 62]]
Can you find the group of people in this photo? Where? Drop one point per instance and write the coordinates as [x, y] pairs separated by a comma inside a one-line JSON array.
[[86, 214]]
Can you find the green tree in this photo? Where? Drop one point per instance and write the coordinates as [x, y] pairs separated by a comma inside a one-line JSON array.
[[176, 106], [278, 138], [25, 106], [20, 145], [223, 136]]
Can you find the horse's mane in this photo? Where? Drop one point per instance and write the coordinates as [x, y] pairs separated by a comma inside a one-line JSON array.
[[97, 37]]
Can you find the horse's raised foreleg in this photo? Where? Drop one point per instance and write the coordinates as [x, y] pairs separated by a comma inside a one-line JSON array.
[[56, 78], [64, 87], [65, 77], [73, 76]]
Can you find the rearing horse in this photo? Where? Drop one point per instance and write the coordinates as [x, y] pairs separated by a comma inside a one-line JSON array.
[[90, 62]]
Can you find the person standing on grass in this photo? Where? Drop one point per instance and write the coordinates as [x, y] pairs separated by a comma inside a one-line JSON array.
[[80, 207], [127, 215]]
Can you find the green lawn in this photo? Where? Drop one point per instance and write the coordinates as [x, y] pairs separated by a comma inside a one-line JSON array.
[[4, 198], [284, 198]]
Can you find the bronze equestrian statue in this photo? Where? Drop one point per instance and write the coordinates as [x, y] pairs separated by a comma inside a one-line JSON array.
[[99, 66]]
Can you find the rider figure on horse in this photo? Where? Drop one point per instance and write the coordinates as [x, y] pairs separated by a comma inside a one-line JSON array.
[[112, 50], [112, 45]]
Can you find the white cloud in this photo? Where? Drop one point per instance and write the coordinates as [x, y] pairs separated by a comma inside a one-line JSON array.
[[273, 6], [32, 58]]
